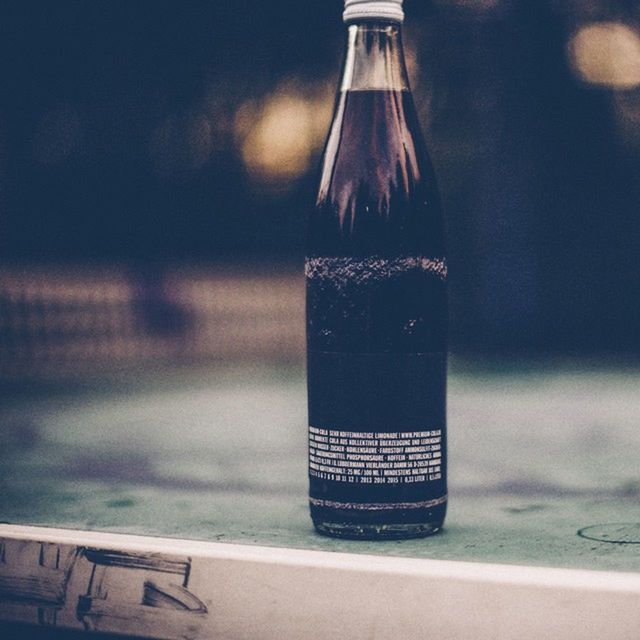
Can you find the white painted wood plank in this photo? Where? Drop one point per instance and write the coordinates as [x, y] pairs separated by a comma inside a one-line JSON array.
[[274, 593]]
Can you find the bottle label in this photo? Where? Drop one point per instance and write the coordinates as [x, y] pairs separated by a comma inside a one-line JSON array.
[[377, 429], [377, 418], [368, 457]]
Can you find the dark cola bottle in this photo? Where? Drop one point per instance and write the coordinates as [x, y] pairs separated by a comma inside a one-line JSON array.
[[376, 302]]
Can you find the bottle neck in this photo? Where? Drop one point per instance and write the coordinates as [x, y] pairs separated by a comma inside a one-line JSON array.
[[374, 58]]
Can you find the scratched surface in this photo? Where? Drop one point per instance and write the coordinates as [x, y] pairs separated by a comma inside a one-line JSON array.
[[220, 454]]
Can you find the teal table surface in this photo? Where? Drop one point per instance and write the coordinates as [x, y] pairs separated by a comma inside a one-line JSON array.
[[544, 463]]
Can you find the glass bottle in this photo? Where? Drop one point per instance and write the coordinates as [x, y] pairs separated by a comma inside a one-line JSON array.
[[376, 302]]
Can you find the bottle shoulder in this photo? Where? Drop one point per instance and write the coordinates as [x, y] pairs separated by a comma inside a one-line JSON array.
[[378, 191]]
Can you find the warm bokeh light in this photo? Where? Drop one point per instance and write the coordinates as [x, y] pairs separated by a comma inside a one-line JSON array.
[[279, 136], [606, 54]]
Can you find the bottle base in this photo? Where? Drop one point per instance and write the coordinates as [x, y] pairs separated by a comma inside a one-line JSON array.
[[368, 531], [388, 524]]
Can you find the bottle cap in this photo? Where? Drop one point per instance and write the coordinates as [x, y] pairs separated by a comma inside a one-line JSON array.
[[372, 9]]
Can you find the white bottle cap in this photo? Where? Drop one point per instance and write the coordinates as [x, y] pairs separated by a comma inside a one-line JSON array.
[[372, 9]]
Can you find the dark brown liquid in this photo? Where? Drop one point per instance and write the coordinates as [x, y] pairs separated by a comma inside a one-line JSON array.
[[378, 194]]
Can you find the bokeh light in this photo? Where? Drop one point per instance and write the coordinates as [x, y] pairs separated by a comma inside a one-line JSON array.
[[279, 135], [606, 54]]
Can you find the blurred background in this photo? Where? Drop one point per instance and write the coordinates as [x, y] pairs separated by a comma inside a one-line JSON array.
[[158, 159]]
